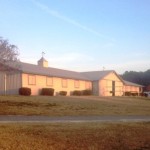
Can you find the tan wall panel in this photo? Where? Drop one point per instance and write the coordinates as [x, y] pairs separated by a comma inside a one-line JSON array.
[[106, 85], [40, 82], [13, 83], [57, 84], [128, 88], [2, 83]]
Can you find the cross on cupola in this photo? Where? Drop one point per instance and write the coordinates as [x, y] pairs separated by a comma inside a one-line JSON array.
[[43, 54], [43, 62]]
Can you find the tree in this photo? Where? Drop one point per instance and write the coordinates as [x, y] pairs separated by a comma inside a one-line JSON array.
[[8, 53], [142, 78]]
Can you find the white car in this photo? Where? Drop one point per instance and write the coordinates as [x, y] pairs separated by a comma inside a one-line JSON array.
[[147, 94]]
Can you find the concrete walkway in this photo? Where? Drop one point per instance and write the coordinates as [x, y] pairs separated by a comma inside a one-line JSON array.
[[44, 119]]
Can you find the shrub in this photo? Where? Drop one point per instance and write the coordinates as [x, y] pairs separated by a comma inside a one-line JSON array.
[[134, 94], [131, 94], [47, 91], [127, 93], [25, 91], [77, 93], [63, 93], [87, 92]]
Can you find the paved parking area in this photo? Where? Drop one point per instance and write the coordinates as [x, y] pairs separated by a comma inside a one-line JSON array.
[[14, 118]]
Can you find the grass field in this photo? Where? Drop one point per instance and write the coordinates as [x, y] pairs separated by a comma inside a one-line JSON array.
[[73, 106], [75, 136]]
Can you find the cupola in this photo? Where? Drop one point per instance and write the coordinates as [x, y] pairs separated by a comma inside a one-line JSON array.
[[43, 62]]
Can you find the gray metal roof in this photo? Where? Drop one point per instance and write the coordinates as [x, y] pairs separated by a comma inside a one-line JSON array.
[[96, 75], [54, 72], [132, 84], [48, 71]]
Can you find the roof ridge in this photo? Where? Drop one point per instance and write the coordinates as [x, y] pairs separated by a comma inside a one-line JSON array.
[[50, 71], [97, 71]]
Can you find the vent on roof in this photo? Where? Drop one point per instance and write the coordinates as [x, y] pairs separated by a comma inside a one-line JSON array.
[[43, 62]]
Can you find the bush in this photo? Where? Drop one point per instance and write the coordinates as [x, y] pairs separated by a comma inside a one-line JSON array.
[[77, 93], [63, 93], [25, 91], [131, 94], [47, 91], [127, 93], [134, 94], [87, 92]]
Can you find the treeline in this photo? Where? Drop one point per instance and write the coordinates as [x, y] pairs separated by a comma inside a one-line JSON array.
[[142, 78]]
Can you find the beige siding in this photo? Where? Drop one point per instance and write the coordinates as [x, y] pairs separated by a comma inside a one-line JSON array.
[[13, 83], [132, 89], [2, 83], [10, 83], [40, 82], [106, 88], [57, 84]]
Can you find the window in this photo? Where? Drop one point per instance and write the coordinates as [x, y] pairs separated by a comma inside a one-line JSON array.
[[76, 84], [64, 83], [31, 79], [87, 85], [49, 81]]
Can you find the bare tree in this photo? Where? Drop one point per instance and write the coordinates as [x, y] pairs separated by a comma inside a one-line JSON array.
[[8, 53]]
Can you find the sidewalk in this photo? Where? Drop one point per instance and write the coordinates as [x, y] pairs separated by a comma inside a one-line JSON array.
[[17, 118]]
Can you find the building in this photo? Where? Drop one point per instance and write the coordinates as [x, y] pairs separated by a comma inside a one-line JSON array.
[[36, 77], [105, 83], [132, 88]]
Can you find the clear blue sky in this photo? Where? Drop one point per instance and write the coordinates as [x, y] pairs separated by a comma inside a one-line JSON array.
[[80, 35]]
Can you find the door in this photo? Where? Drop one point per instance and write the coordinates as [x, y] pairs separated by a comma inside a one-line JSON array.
[[95, 88], [113, 88]]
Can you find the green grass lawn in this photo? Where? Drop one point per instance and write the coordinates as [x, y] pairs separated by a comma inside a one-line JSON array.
[[73, 106], [75, 136]]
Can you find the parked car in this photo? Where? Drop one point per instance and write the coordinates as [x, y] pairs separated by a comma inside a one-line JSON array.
[[147, 94]]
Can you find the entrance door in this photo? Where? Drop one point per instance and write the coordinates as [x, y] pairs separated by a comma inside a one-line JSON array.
[[95, 88], [113, 88]]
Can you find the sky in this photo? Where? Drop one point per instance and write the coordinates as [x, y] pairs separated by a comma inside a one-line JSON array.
[[80, 35]]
